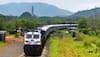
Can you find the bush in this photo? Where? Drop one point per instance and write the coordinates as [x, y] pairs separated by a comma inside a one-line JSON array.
[[92, 33], [87, 44], [99, 34], [17, 34]]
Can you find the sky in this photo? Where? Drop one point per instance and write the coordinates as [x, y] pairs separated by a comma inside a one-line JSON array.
[[71, 5]]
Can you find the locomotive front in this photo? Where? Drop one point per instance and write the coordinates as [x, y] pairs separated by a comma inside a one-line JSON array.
[[32, 43]]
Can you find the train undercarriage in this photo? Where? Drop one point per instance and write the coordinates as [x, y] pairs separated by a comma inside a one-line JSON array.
[[33, 50]]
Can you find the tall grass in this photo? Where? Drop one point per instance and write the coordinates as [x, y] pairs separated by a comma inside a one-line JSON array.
[[66, 47], [88, 46], [54, 49]]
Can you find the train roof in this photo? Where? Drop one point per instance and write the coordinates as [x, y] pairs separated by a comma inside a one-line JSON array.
[[32, 33], [46, 27]]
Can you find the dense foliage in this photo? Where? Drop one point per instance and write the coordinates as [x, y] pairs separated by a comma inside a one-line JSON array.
[[27, 22]]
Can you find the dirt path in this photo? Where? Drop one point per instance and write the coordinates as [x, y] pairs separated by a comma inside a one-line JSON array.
[[13, 50], [16, 50]]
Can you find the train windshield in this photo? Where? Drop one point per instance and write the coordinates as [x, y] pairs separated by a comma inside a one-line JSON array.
[[28, 36], [36, 36]]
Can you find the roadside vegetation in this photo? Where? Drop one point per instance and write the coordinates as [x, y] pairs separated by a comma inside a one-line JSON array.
[[88, 46], [82, 45], [3, 45], [54, 47]]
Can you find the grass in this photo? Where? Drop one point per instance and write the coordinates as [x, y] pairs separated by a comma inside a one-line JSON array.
[[3, 45], [88, 46], [54, 47], [66, 48]]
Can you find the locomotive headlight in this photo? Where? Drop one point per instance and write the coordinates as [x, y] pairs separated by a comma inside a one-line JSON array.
[[26, 41], [38, 42]]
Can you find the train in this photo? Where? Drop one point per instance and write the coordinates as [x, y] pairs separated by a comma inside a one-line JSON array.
[[34, 41]]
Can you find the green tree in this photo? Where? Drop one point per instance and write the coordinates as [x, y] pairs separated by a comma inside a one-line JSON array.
[[83, 25], [26, 15], [10, 27], [2, 22]]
